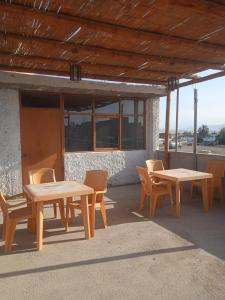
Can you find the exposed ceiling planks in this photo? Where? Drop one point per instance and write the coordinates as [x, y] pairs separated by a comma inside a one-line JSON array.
[[136, 40]]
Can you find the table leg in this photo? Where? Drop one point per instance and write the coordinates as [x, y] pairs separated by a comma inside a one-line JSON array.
[[210, 192], [205, 195], [39, 225], [178, 199], [85, 215]]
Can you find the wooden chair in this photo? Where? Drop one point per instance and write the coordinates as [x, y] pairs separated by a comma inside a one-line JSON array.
[[153, 190], [11, 218], [96, 179], [45, 175], [217, 169], [154, 165]]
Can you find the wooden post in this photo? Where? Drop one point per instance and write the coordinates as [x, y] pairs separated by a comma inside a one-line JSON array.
[[167, 128], [195, 127], [177, 117]]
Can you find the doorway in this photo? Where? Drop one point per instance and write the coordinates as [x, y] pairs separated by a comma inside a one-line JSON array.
[[41, 133]]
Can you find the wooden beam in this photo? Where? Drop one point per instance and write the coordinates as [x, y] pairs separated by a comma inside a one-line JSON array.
[[86, 76], [202, 79], [209, 8], [33, 46], [167, 130], [125, 79], [105, 68], [117, 32]]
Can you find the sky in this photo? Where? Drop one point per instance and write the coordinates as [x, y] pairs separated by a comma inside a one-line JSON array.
[[211, 105]]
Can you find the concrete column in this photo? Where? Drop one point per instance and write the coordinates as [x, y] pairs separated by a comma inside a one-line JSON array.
[[10, 149], [152, 126]]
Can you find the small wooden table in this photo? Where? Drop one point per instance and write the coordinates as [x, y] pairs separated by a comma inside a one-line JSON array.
[[39, 193], [180, 175]]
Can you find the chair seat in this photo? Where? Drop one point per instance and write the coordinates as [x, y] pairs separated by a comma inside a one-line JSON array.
[[20, 213], [160, 190]]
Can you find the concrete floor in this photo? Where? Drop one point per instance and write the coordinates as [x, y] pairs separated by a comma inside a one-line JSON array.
[[134, 258]]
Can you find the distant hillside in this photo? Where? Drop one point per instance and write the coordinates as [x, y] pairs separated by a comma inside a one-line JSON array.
[[216, 127]]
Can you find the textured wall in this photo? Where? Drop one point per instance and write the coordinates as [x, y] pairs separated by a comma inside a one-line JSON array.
[[152, 126], [120, 165], [10, 151]]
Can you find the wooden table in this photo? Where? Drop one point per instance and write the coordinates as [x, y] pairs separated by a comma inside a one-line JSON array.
[[39, 193], [180, 175]]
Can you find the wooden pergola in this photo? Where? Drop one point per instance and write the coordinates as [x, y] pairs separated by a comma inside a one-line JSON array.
[[139, 41]]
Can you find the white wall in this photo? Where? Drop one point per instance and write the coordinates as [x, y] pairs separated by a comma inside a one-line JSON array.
[[119, 164], [10, 151]]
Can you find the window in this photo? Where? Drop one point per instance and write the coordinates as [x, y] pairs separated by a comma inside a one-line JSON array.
[[40, 100], [96, 123], [78, 123], [132, 124]]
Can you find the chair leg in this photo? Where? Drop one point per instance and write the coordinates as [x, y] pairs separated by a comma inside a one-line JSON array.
[[92, 219], [103, 211], [142, 199], [55, 210], [67, 217], [191, 191], [62, 211], [171, 197], [3, 229], [221, 194], [159, 203], [10, 235], [72, 213], [153, 208]]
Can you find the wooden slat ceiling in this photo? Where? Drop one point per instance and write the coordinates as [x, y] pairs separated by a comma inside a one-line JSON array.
[[143, 41]]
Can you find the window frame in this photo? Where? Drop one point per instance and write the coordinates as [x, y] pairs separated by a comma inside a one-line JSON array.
[[118, 115]]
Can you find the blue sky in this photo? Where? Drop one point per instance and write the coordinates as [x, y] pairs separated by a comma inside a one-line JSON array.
[[211, 105]]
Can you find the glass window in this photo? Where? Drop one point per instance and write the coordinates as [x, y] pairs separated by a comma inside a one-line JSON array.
[[107, 132], [130, 107], [96, 123], [40, 100], [133, 132], [106, 107], [78, 103], [78, 132]]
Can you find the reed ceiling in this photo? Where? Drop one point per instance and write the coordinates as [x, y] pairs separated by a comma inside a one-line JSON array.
[[145, 41]]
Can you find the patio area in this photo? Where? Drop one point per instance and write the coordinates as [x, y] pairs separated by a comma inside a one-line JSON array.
[[134, 258]]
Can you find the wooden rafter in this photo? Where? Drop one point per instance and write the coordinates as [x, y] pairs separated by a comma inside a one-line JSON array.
[[93, 51], [203, 6], [117, 31], [86, 76], [202, 79], [87, 66]]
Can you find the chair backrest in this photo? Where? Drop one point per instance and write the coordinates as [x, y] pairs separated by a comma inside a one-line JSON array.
[[97, 179], [216, 167], [3, 204], [42, 175], [146, 180], [154, 165]]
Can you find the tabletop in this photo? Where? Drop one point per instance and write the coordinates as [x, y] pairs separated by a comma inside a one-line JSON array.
[[56, 190], [181, 174]]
